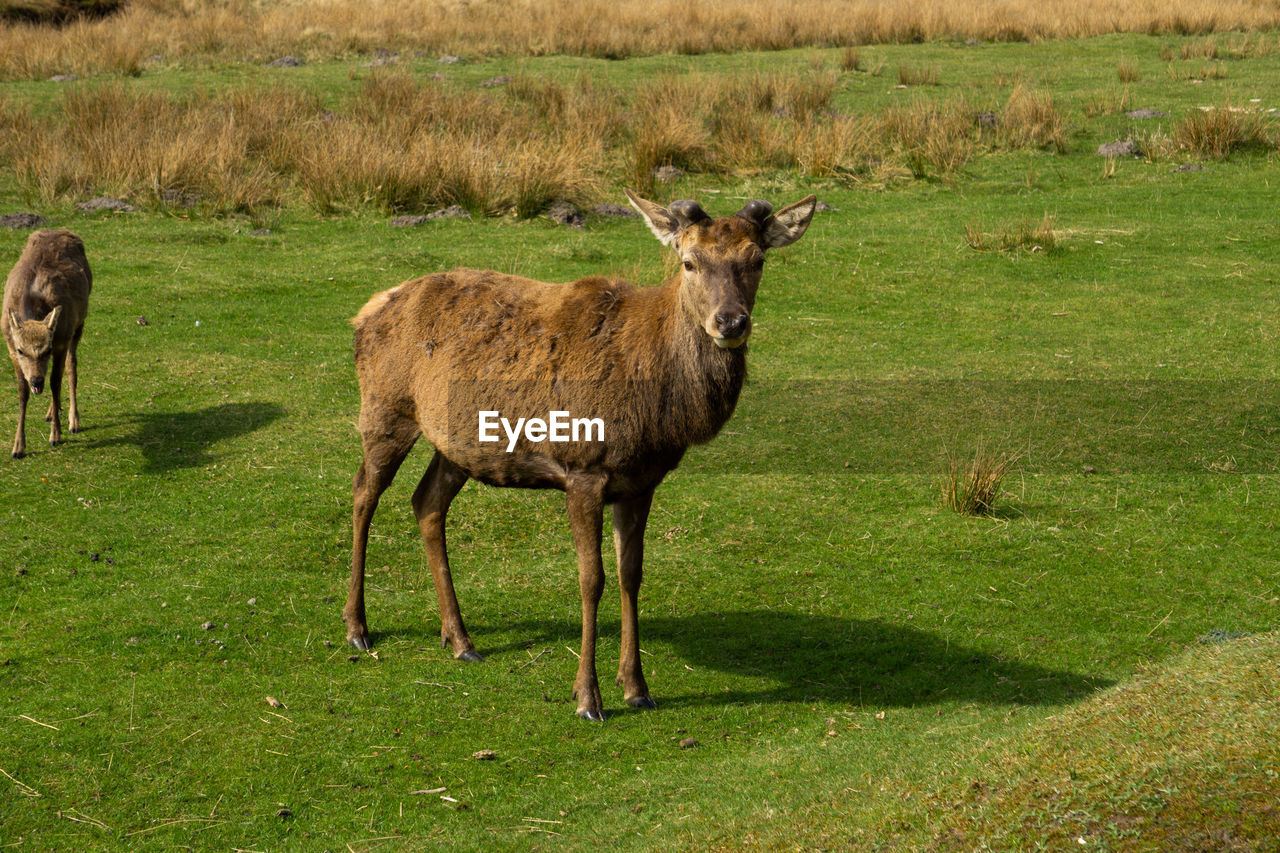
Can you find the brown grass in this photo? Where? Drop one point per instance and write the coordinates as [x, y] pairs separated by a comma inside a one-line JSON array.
[[405, 143], [1031, 119], [917, 75], [1128, 71], [972, 487], [1106, 103], [259, 30], [1025, 235], [1217, 133]]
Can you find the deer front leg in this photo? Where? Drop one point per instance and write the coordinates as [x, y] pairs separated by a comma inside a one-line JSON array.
[[585, 496], [384, 450], [73, 412], [431, 500], [20, 440], [55, 399], [629, 519]]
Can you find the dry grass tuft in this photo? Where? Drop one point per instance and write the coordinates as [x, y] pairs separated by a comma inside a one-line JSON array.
[[851, 59], [1106, 103], [917, 75], [972, 488], [937, 137], [1217, 133], [1128, 71], [1026, 235], [1031, 119]]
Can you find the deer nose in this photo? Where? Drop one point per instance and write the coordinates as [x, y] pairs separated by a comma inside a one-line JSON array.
[[732, 325], [37, 384]]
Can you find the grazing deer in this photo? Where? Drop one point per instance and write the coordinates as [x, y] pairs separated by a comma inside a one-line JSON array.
[[46, 299], [661, 367]]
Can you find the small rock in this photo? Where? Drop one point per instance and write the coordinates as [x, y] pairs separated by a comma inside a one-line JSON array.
[[449, 60], [822, 205], [1146, 113], [274, 702], [133, 641], [567, 213], [453, 211], [260, 232], [208, 626], [156, 57], [179, 198], [286, 62], [63, 78], [484, 755], [142, 321], [411, 221], [500, 80], [1120, 148], [106, 203], [667, 174], [1188, 167], [381, 61], [21, 220], [988, 121], [21, 572], [284, 813], [614, 210], [354, 658], [689, 743], [328, 644]]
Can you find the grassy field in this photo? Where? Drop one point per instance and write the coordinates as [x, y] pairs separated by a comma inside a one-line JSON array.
[[839, 661]]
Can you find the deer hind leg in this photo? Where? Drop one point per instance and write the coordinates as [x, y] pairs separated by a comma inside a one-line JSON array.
[[431, 500], [586, 514], [24, 392], [385, 447], [629, 519]]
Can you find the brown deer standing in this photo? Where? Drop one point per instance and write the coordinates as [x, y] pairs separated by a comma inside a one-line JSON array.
[[661, 367], [46, 299]]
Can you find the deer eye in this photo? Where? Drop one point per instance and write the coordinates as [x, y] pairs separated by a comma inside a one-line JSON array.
[[688, 265]]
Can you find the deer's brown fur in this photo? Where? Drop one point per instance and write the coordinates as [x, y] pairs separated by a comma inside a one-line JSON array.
[[46, 300], [661, 366]]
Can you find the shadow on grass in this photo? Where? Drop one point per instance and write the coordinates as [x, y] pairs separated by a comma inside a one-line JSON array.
[[802, 658], [173, 440]]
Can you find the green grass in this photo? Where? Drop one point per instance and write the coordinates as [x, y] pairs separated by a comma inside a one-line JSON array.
[[846, 652]]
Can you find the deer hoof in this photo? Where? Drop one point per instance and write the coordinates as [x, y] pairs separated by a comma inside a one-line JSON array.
[[593, 716], [470, 656], [644, 703], [361, 642]]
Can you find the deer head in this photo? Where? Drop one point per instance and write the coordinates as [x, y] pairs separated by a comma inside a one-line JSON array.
[[722, 259], [31, 342]]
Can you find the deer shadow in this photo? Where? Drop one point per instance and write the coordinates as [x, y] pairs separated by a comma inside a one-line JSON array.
[[173, 440], [793, 657]]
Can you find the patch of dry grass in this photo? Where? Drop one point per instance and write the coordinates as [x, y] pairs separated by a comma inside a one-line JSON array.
[[1217, 133], [258, 30], [971, 487], [1031, 119], [1025, 235]]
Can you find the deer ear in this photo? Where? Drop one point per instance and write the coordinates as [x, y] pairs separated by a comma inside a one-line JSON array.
[[661, 221], [788, 225], [51, 319]]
